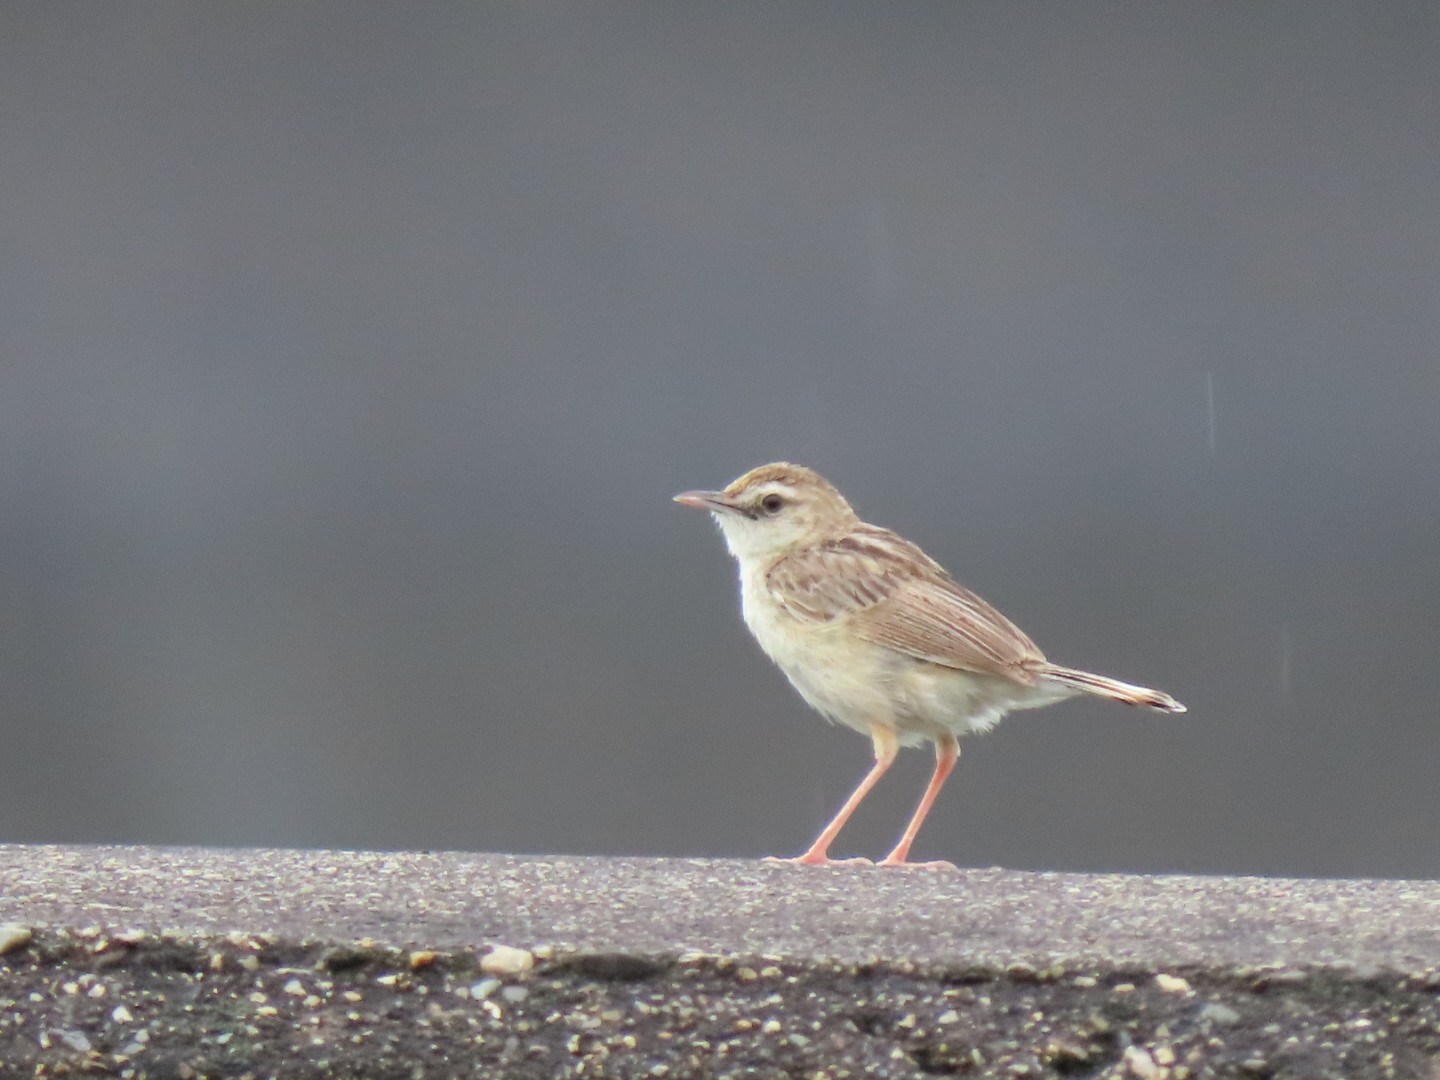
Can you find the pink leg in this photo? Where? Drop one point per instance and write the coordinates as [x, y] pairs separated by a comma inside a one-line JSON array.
[[947, 752], [886, 747]]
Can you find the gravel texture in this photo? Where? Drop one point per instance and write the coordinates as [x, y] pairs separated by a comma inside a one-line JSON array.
[[187, 963]]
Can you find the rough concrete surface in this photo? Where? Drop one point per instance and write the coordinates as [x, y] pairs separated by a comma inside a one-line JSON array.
[[188, 963]]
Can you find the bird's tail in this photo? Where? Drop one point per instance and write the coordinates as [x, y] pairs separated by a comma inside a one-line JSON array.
[[1105, 687]]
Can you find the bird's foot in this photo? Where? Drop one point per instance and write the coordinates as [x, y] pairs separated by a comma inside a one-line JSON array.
[[935, 864], [811, 858]]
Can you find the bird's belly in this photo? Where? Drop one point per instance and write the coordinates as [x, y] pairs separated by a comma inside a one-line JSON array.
[[860, 684], [842, 679], [934, 699]]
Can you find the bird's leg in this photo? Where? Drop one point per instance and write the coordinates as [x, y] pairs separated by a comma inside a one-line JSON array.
[[947, 752], [887, 745]]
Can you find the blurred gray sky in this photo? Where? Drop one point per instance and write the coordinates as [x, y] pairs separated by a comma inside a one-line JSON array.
[[350, 353]]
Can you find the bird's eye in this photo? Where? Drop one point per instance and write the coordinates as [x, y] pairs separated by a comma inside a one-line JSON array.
[[771, 503]]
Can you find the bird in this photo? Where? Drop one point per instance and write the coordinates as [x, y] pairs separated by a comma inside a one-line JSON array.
[[877, 636]]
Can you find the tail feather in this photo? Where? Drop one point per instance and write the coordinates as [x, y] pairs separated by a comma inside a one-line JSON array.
[[1106, 687]]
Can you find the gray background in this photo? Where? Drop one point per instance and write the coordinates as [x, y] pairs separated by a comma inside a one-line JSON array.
[[350, 353]]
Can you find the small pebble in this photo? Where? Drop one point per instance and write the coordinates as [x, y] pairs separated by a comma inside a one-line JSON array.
[[1217, 1013], [484, 988], [121, 1015], [13, 936], [506, 960], [76, 1040], [1172, 984], [1141, 1064]]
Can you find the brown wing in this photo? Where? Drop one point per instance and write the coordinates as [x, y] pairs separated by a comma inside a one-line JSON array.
[[893, 594]]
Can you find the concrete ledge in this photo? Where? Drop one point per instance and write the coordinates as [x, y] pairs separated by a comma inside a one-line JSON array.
[[146, 962]]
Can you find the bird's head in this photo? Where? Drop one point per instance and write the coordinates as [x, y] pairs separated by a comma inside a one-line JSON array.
[[774, 509]]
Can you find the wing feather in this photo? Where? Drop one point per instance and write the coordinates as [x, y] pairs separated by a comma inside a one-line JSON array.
[[893, 594]]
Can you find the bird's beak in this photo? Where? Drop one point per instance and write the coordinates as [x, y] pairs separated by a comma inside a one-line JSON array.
[[707, 500]]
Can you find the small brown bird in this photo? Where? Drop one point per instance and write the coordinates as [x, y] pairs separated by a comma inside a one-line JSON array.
[[877, 636]]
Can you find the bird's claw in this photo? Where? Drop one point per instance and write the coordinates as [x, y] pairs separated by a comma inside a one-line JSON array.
[[818, 860]]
